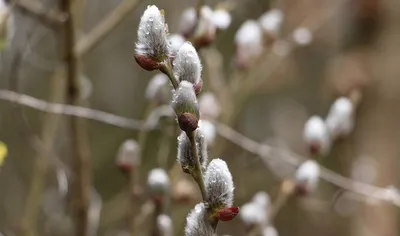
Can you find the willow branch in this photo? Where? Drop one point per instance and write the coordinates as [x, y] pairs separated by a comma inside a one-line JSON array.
[[263, 150], [70, 110]]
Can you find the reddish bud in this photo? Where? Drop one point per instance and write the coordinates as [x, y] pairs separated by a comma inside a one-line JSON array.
[[126, 168], [315, 148], [227, 214], [197, 87], [300, 190], [185, 169], [147, 63], [188, 122]]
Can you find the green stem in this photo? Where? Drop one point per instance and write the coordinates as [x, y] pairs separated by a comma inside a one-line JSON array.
[[167, 69], [197, 173]]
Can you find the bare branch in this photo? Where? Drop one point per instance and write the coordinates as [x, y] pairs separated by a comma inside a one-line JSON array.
[[265, 151], [39, 11], [262, 150], [89, 41], [69, 110]]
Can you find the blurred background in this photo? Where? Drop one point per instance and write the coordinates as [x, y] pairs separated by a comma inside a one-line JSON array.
[[344, 46]]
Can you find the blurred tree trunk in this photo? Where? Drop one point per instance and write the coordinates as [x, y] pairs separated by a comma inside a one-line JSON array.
[[377, 131]]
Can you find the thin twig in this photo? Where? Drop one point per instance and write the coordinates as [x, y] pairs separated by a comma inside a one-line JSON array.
[[48, 133], [168, 70], [135, 175], [38, 10], [70, 110], [89, 41], [285, 192]]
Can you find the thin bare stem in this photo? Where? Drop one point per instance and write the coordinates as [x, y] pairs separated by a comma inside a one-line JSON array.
[[286, 190], [165, 149], [38, 10], [81, 149], [135, 175], [49, 131], [70, 110], [167, 69], [105, 27], [198, 173]]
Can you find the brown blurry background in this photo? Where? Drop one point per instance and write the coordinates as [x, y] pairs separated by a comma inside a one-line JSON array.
[[356, 44]]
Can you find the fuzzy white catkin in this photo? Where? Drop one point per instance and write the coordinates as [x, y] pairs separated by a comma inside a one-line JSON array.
[[175, 43], [185, 156], [340, 120], [206, 25], [307, 175], [152, 34], [262, 199], [86, 87], [219, 184], [158, 181], [209, 131], [302, 36], [221, 19], [128, 153], [270, 231], [209, 105], [187, 65], [155, 85], [188, 21], [252, 213], [271, 21], [184, 98], [165, 225], [196, 222], [249, 39], [316, 132]]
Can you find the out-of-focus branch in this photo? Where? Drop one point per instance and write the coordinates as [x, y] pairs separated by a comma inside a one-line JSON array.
[[89, 41], [70, 110], [265, 151], [42, 13], [80, 139], [41, 164], [262, 150]]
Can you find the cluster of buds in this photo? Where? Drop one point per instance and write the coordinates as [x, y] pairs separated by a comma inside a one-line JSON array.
[[254, 36], [319, 134], [182, 66], [201, 25]]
